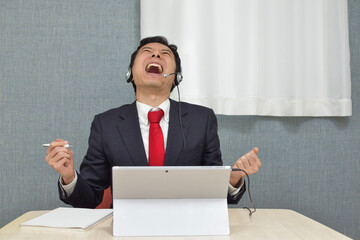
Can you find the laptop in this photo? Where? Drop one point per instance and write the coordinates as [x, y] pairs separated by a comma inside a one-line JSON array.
[[170, 201]]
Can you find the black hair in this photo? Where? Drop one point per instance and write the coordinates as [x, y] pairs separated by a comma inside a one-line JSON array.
[[155, 39]]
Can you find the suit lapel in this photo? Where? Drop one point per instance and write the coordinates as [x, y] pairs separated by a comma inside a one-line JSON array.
[[175, 143], [131, 135]]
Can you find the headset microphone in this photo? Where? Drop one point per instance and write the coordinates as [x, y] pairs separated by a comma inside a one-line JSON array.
[[166, 75], [178, 77]]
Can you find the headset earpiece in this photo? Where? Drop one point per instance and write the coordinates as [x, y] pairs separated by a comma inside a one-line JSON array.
[[128, 75], [178, 78]]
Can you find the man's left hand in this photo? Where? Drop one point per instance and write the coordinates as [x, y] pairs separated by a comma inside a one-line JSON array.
[[250, 163]]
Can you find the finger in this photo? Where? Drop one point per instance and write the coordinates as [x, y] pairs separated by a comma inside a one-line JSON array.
[[245, 161], [250, 166], [55, 162], [56, 151], [62, 154], [255, 150], [258, 162], [254, 165], [58, 156], [238, 164], [57, 143], [254, 159], [63, 163]]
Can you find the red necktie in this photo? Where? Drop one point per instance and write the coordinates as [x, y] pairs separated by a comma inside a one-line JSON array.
[[156, 139]]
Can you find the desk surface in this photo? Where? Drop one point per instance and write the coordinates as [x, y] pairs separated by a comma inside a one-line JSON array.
[[264, 224]]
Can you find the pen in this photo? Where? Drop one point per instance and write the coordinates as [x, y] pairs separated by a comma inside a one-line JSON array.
[[48, 145]]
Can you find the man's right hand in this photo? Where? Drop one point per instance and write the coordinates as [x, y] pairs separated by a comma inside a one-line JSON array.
[[61, 159]]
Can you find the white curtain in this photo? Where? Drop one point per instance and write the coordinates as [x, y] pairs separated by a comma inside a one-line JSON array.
[[258, 57]]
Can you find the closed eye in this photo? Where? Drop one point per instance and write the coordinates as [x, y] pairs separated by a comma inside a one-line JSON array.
[[146, 49], [166, 52]]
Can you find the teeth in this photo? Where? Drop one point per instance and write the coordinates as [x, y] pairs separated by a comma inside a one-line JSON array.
[[154, 65]]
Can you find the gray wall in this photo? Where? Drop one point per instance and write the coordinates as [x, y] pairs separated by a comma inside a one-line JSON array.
[[61, 62]]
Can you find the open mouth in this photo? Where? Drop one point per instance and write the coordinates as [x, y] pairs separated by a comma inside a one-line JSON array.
[[154, 68]]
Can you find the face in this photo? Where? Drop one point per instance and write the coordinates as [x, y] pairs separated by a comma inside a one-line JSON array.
[[152, 61]]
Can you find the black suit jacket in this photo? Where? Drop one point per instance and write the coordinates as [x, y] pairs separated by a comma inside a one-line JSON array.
[[115, 140]]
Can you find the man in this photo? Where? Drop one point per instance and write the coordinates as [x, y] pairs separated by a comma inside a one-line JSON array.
[[121, 136]]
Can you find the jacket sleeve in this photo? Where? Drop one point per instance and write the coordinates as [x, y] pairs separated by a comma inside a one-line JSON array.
[[236, 198], [94, 176], [212, 153]]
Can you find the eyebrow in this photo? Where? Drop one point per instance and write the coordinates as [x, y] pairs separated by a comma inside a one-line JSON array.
[[162, 50]]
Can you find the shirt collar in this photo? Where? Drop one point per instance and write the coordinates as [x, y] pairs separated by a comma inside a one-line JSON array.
[[143, 110]]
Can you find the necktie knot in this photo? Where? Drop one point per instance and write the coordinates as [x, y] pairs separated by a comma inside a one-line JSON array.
[[155, 116]]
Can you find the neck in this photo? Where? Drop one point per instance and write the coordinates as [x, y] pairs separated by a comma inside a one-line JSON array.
[[153, 100]]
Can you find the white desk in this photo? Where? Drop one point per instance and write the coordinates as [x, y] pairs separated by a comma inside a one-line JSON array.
[[264, 224]]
